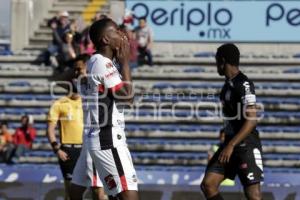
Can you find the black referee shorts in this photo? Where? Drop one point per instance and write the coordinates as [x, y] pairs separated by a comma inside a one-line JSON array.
[[68, 166], [246, 162]]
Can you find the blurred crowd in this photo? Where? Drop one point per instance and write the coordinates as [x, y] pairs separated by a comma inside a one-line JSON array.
[[13, 146], [70, 41]]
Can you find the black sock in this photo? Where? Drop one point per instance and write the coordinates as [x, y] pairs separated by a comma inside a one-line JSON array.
[[216, 197]]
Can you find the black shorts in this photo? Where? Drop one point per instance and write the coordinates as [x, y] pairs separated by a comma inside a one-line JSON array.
[[68, 166], [246, 162]]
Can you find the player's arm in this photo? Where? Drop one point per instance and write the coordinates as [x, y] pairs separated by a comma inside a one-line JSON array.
[[126, 89], [248, 99], [123, 55], [248, 126], [53, 117]]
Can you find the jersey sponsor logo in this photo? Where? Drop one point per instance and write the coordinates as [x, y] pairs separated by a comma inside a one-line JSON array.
[[250, 176], [109, 75], [110, 182], [109, 65]]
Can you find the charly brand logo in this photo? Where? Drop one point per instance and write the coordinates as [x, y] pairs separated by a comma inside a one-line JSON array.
[[212, 21]]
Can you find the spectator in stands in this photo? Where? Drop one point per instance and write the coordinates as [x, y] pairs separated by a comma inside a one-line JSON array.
[[67, 52], [59, 26], [23, 138], [67, 111], [6, 145], [144, 36]]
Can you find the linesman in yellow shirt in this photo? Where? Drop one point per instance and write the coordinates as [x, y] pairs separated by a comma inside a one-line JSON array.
[[67, 113]]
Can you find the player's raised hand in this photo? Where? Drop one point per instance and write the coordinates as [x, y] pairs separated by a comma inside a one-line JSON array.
[[62, 155], [123, 52], [226, 154]]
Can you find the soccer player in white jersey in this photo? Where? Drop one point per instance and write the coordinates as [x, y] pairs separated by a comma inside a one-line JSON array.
[[84, 174], [107, 89]]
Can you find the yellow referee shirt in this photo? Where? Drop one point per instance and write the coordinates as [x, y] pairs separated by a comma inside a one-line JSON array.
[[69, 114]]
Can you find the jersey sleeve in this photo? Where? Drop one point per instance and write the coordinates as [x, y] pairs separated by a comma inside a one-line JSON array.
[[106, 74], [246, 92], [53, 115]]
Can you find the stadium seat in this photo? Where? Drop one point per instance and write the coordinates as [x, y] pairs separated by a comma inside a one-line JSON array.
[[204, 55]]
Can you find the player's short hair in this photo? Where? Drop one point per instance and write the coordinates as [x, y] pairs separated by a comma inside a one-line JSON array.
[[230, 53], [82, 57], [97, 29]]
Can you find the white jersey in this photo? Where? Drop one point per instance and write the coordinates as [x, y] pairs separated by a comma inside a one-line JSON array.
[[104, 120]]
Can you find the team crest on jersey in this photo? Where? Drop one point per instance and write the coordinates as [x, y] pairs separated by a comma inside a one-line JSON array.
[[109, 65], [110, 182]]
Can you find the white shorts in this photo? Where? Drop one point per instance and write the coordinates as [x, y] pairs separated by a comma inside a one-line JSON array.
[[115, 169], [85, 173]]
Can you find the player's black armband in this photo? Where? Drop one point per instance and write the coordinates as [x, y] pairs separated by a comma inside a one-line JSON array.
[[55, 147]]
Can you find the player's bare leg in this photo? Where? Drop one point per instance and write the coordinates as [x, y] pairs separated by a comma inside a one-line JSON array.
[[210, 186], [128, 195], [98, 193], [253, 192]]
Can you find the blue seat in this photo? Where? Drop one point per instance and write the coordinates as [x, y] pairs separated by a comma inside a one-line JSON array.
[[20, 84], [24, 97], [36, 111], [14, 111], [193, 70], [7, 97], [292, 71], [297, 55], [204, 54], [39, 154], [41, 140], [43, 98], [162, 86], [144, 113]]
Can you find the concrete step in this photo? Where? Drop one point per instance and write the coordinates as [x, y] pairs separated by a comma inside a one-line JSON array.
[[73, 13], [17, 59], [70, 9], [36, 47], [43, 33], [68, 1], [40, 40], [71, 3]]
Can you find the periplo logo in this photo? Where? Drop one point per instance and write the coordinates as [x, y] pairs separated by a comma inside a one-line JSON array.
[[211, 21], [277, 12]]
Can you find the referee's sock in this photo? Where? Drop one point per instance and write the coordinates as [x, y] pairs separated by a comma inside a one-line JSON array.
[[216, 197]]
